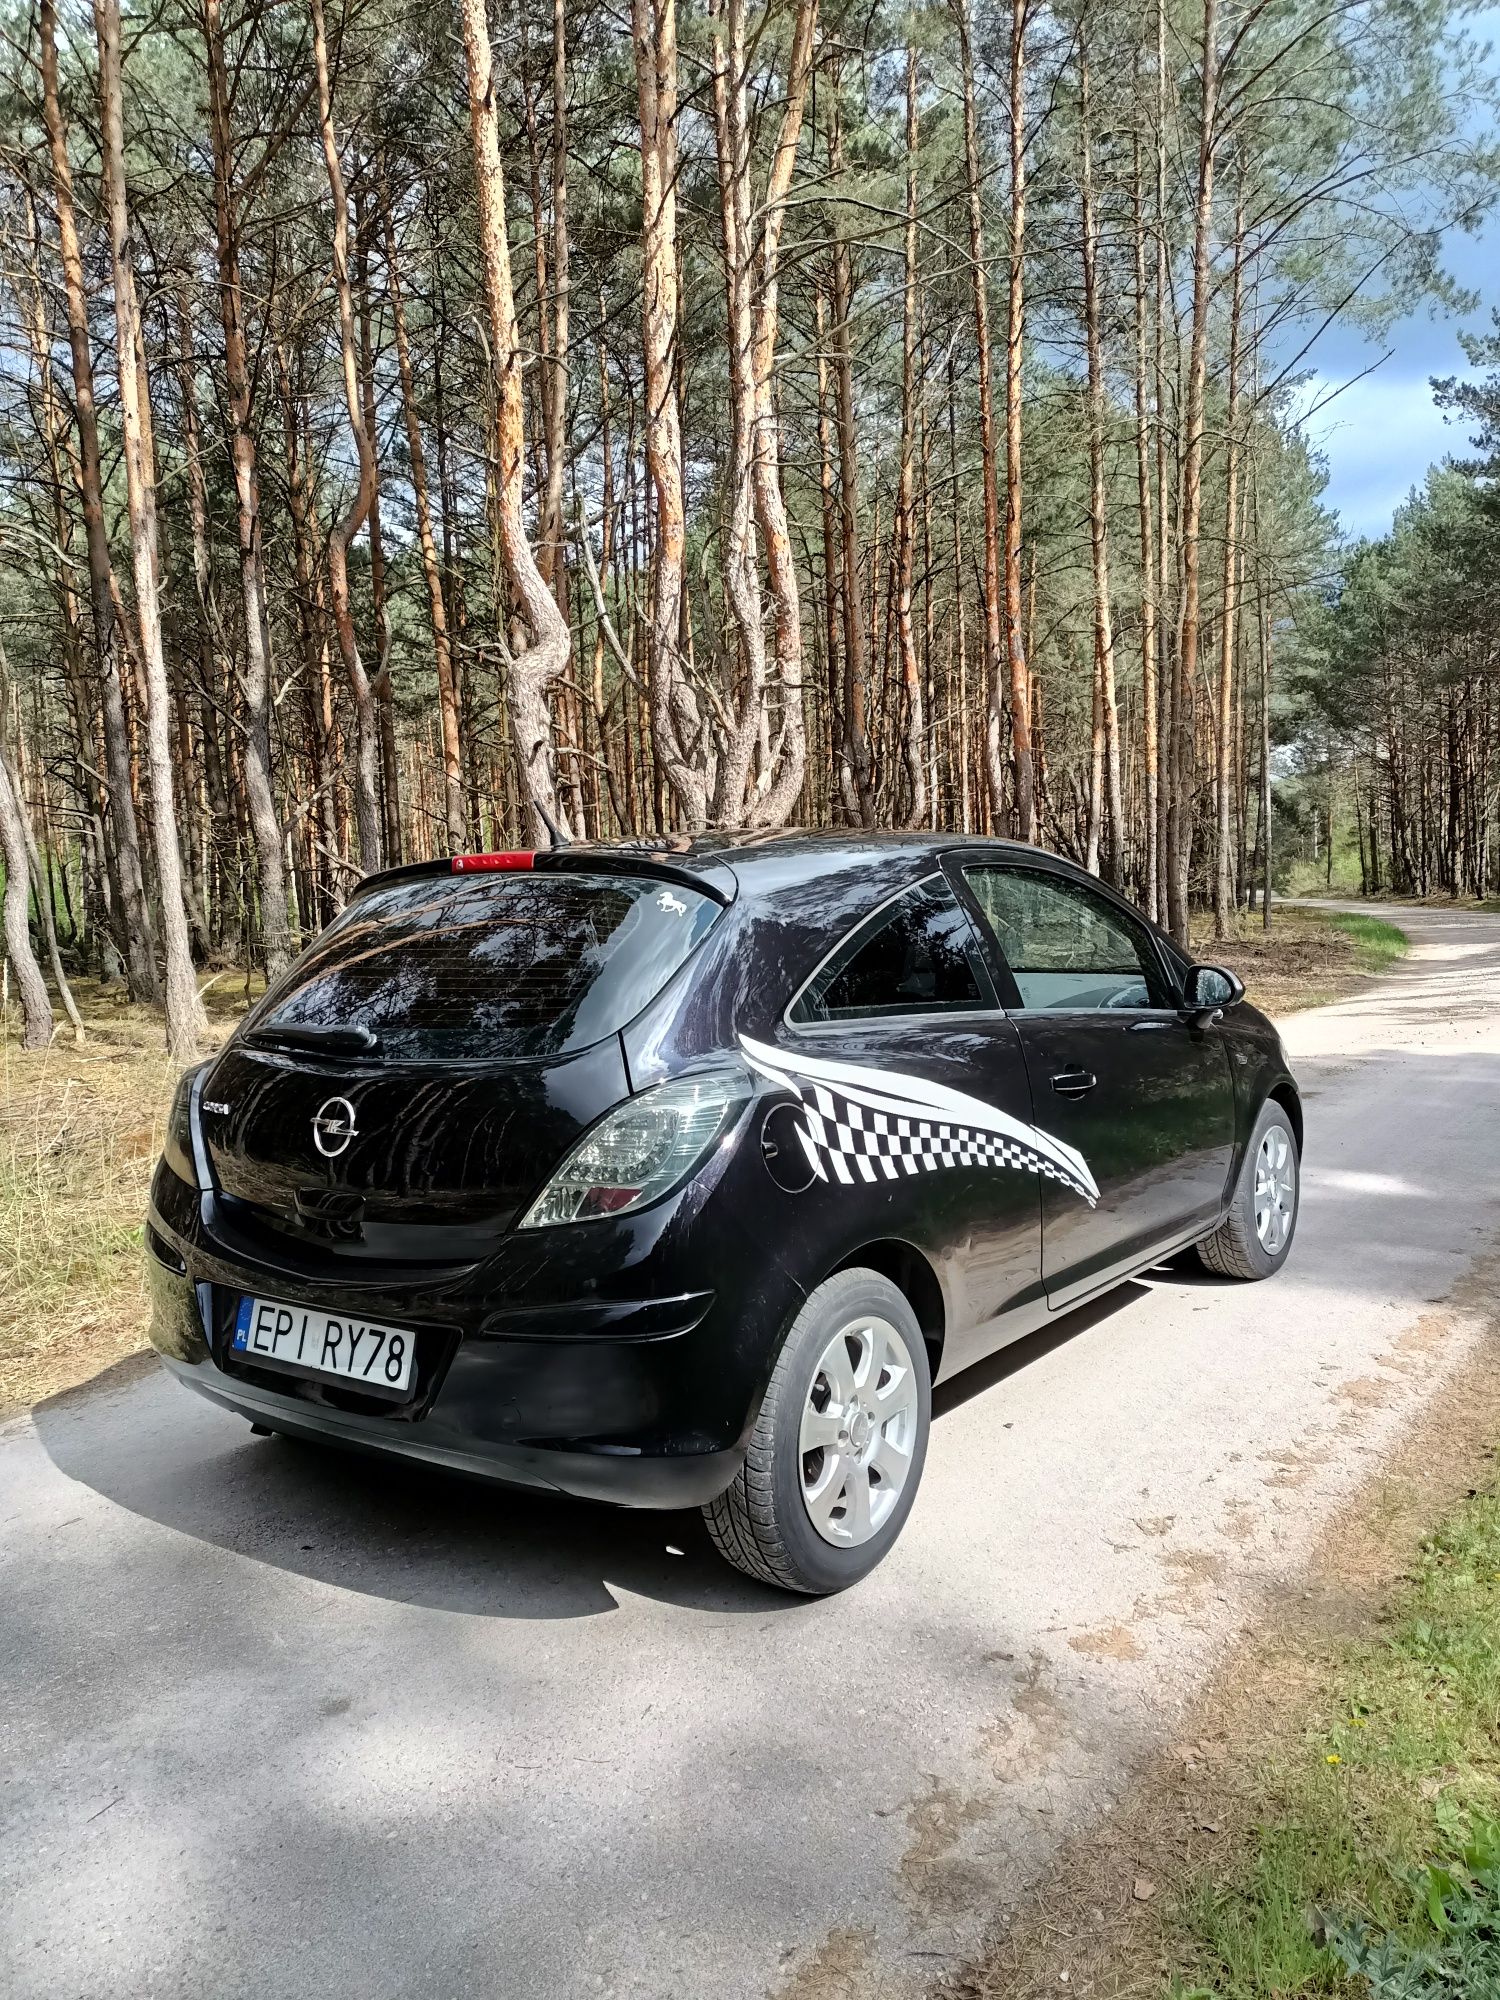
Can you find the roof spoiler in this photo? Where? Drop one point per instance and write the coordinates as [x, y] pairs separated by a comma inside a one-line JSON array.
[[571, 860]]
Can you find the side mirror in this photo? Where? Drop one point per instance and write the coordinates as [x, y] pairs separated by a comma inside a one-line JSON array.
[[1208, 990]]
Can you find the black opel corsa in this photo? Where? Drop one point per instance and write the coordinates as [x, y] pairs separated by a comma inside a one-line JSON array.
[[673, 1174]]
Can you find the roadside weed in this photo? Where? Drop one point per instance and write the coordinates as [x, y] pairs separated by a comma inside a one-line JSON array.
[[1373, 1867]]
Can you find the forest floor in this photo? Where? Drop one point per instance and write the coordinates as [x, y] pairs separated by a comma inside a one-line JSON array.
[[80, 1132], [81, 1128], [1308, 957]]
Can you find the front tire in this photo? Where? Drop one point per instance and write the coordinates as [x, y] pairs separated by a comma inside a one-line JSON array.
[[1255, 1237], [838, 1447]]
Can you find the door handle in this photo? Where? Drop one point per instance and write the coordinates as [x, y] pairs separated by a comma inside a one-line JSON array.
[[1073, 1082]]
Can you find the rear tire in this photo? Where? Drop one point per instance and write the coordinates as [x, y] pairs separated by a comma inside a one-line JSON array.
[[1255, 1237], [838, 1447]]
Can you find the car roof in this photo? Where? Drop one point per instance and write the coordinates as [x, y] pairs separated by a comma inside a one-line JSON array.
[[769, 868], [763, 862]]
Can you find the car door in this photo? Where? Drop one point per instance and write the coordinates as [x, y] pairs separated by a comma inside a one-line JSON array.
[[918, 1105], [1115, 1070]]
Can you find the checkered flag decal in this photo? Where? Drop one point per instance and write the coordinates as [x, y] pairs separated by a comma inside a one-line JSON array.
[[861, 1124]]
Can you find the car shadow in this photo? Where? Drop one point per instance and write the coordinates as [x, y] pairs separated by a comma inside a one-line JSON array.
[[386, 1528], [414, 1534], [985, 1375]]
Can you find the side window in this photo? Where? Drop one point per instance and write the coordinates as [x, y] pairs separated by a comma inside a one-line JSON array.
[[1067, 948], [917, 955]]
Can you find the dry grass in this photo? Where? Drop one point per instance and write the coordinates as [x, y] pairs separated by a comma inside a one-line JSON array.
[[80, 1131], [1307, 958]]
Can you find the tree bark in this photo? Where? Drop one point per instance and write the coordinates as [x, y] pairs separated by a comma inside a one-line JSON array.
[[674, 727], [532, 671], [782, 780], [992, 585], [1180, 812], [36, 1007], [838, 734], [186, 1019], [1015, 334], [851, 587], [312, 640], [1113, 814], [915, 721], [55, 442], [255, 679], [1150, 724], [453, 784], [343, 530], [1165, 626], [745, 704], [1229, 621], [135, 932], [390, 780], [553, 545]]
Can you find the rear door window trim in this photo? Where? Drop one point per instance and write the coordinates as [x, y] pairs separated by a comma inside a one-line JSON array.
[[983, 971]]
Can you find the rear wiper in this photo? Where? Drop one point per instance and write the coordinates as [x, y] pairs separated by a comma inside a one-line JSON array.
[[349, 1041]]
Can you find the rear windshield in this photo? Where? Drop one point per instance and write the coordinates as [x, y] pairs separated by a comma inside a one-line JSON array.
[[491, 966]]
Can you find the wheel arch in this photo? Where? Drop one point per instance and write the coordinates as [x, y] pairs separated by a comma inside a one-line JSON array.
[[913, 1276], [1284, 1093]]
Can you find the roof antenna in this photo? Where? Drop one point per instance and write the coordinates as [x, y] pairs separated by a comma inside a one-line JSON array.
[[557, 836]]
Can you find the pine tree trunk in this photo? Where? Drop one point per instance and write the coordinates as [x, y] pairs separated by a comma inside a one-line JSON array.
[[55, 442], [744, 699], [204, 663], [915, 721], [1149, 722], [1224, 770], [390, 793], [851, 587], [134, 931], [343, 531], [553, 552], [655, 35], [1165, 576], [40, 878], [991, 575], [785, 767], [841, 772], [255, 679], [453, 789], [531, 670], [36, 1008], [1180, 818], [186, 1019], [1264, 623], [1113, 809], [1015, 334]]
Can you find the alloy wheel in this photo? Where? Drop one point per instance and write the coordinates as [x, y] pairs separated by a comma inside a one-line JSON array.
[[1275, 1189], [858, 1433]]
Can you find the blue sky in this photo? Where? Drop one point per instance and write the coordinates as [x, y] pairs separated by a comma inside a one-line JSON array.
[[1380, 433]]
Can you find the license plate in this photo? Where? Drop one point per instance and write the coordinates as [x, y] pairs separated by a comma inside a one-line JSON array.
[[321, 1343]]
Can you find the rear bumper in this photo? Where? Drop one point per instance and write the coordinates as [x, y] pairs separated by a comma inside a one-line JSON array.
[[616, 1475], [598, 1369]]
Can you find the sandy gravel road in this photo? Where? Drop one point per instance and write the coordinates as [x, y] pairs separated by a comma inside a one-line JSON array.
[[275, 1723]]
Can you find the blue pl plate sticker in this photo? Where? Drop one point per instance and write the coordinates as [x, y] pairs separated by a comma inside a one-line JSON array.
[[242, 1325]]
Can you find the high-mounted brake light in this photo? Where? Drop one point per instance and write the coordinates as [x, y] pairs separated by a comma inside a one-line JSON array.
[[491, 864]]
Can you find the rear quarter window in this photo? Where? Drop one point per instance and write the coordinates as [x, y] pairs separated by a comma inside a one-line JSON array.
[[916, 954], [487, 967]]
